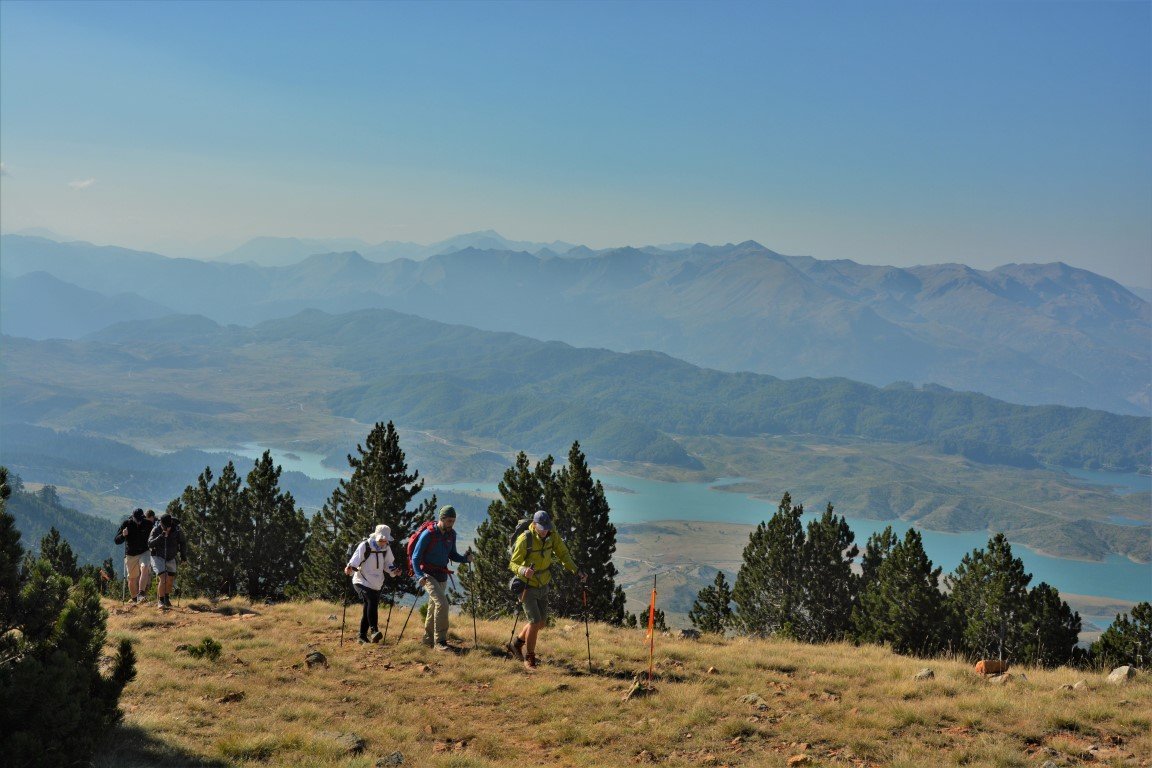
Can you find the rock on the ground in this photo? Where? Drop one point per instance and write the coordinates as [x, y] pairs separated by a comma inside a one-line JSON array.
[[1121, 675], [925, 674]]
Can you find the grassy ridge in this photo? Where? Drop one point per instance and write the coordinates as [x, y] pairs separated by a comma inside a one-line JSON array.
[[836, 705]]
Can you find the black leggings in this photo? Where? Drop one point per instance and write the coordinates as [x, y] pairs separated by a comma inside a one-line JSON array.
[[371, 617]]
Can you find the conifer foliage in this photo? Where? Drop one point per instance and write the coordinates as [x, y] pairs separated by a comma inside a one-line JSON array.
[[769, 590], [54, 703], [581, 518], [379, 491], [712, 609], [523, 490], [989, 601], [1128, 640], [241, 539], [900, 604]]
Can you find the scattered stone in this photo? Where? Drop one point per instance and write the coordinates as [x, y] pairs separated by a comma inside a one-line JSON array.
[[349, 742], [1049, 764], [755, 700], [1001, 679], [1121, 675], [712, 671], [639, 688], [689, 634], [925, 674], [228, 698], [799, 760], [331, 617], [644, 757], [1079, 685], [1065, 687], [314, 659], [396, 758]]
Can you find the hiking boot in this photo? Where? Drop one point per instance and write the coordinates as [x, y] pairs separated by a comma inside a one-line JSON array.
[[530, 662], [374, 636], [141, 599], [427, 642], [514, 649], [362, 640], [167, 601], [444, 647], [161, 606]]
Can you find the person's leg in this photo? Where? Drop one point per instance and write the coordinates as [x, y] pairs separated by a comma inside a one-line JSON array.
[[171, 574], [145, 575], [429, 613], [372, 605], [362, 593], [436, 624], [132, 574]]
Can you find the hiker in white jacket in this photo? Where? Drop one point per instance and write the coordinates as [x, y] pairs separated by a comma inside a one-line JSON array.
[[370, 561]]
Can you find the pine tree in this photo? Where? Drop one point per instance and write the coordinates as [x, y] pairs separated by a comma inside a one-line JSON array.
[[768, 590], [581, 518], [59, 554], [1128, 640], [879, 546], [1052, 628], [54, 703], [988, 602], [213, 522], [378, 492], [712, 609], [274, 540], [902, 605], [523, 490], [829, 586]]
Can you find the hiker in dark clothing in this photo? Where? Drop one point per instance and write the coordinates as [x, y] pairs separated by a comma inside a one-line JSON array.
[[133, 534], [167, 544], [372, 559], [434, 548], [533, 554]]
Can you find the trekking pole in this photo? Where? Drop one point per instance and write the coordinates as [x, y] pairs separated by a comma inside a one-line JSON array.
[[516, 615], [587, 635], [387, 621], [472, 594], [401, 637], [344, 617]]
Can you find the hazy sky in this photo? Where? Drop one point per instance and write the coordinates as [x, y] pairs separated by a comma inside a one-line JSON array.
[[887, 133]]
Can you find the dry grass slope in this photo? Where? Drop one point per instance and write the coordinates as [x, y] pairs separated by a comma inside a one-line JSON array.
[[716, 703]]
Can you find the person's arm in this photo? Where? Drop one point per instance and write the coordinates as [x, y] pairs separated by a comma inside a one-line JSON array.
[[390, 562], [155, 536], [519, 563], [121, 533], [357, 558], [452, 551], [418, 555], [561, 550]]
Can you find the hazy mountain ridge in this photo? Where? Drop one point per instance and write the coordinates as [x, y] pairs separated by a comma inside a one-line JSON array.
[[1025, 333], [187, 381]]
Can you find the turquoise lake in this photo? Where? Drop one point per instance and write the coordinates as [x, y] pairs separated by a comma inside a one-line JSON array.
[[635, 500]]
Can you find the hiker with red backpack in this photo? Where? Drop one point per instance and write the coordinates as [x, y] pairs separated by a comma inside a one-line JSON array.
[[533, 554], [435, 546]]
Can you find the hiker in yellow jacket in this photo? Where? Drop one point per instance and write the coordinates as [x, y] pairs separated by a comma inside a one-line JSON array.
[[533, 554]]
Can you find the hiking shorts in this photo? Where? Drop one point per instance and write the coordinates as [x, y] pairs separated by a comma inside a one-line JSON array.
[[133, 564], [161, 566], [536, 604]]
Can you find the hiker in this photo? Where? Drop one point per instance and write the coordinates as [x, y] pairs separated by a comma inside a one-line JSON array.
[[532, 557], [133, 534], [435, 546], [167, 545], [372, 559]]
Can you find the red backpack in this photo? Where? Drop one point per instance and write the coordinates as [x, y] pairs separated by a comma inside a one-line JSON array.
[[428, 526]]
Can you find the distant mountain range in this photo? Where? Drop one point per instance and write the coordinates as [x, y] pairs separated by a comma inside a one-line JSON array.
[[285, 251], [950, 460], [1032, 334]]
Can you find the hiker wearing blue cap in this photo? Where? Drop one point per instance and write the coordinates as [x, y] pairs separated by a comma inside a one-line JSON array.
[[532, 556]]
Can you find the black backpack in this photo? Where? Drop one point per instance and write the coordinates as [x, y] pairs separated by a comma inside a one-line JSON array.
[[353, 548]]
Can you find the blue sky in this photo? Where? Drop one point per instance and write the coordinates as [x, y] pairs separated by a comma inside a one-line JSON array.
[[886, 133]]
